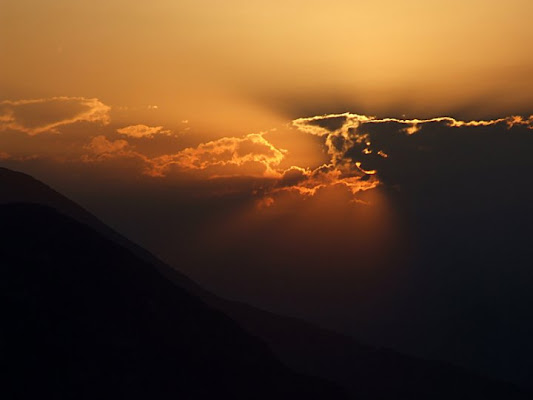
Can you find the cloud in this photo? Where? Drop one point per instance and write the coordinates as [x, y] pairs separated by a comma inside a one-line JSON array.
[[102, 148], [251, 155], [324, 125], [364, 151], [349, 140], [309, 182], [143, 131], [420, 153], [37, 116], [248, 156]]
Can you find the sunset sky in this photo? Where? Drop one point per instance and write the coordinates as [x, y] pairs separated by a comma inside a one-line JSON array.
[[294, 154], [203, 70]]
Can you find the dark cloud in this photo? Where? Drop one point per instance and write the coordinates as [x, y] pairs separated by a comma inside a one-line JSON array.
[[463, 189], [292, 176]]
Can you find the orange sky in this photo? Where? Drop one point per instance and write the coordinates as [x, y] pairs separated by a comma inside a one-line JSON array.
[[212, 87], [242, 66]]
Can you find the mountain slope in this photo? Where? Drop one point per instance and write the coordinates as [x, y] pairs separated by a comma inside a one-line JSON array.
[[367, 372], [17, 187], [85, 318]]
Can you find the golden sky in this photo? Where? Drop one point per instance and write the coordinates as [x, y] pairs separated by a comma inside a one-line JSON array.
[[241, 65], [219, 89]]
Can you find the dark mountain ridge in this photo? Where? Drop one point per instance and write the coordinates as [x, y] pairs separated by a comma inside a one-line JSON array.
[[85, 318], [365, 371]]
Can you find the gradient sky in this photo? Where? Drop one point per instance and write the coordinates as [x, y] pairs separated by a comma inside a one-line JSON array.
[[191, 72], [246, 65], [238, 67]]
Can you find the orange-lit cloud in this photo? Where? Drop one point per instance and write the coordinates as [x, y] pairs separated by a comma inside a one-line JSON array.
[[100, 147], [248, 156], [251, 155], [143, 131], [220, 154], [317, 125], [353, 160], [38, 116], [345, 136], [308, 183]]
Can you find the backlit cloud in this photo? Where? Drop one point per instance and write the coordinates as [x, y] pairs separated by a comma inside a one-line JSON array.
[[102, 148], [143, 131], [308, 182], [323, 125], [347, 134], [36, 116], [249, 155], [362, 152]]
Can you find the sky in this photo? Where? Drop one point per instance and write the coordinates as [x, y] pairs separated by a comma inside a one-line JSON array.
[[206, 69], [363, 165]]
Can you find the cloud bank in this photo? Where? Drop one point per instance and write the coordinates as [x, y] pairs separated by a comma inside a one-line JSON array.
[[363, 152]]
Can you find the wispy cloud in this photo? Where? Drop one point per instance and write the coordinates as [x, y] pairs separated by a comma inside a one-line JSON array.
[[101, 148], [143, 131], [216, 156], [250, 155], [37, 116], [321, 125]]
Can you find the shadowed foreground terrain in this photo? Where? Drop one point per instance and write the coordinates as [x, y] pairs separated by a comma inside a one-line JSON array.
[[84, 318], [88, 314]]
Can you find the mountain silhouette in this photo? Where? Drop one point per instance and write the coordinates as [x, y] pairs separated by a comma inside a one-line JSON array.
[[85, 318], [89, 312]]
